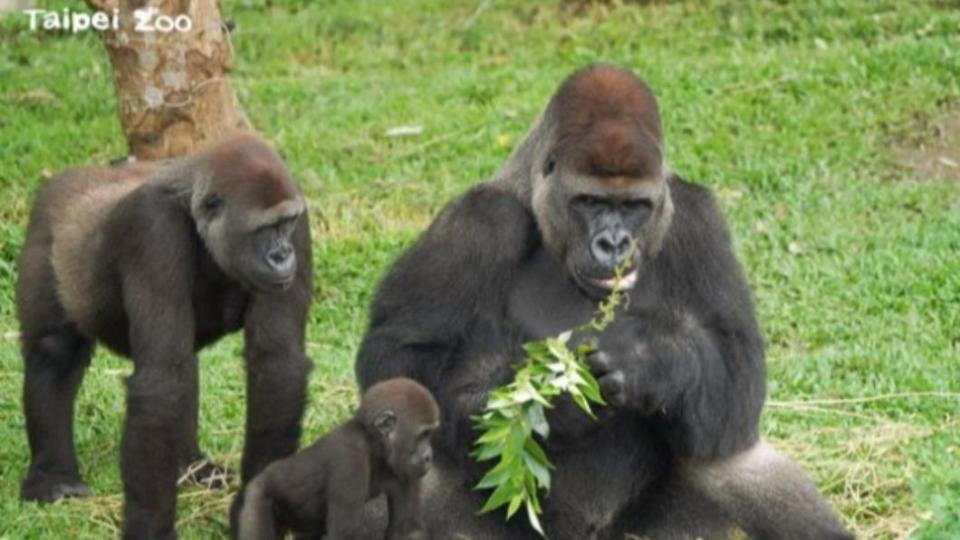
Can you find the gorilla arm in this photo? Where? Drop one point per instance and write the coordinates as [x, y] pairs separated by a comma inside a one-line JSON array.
[[161, 334], [428, 307], [691, 360], [277, 364]]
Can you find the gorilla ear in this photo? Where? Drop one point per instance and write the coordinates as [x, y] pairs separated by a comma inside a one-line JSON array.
[[385, 422], [549, 165]]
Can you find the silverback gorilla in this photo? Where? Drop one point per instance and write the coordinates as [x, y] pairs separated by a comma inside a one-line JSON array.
[[528, 255], [156, 261]]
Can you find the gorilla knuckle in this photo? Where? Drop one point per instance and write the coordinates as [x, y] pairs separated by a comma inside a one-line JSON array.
[[599, 362]]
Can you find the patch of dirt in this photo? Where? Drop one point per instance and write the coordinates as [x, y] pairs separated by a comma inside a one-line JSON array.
[[934, 154], [584, 7]]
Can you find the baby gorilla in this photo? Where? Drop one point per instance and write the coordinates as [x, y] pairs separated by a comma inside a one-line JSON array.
[[384, 448]]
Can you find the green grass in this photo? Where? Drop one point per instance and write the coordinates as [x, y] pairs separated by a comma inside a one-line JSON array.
[[788, 110]]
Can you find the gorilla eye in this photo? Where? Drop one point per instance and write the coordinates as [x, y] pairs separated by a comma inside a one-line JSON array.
[[212, 203], [549, 166], [638, 204], [589, 201]]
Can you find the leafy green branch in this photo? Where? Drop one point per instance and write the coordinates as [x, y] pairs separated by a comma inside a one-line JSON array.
[[516, 412]]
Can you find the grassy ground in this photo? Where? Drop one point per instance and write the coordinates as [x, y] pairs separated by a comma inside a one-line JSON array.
[[795, 113]]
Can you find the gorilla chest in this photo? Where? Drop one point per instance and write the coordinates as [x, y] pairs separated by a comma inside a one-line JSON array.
[[543, 301], [217, 312]]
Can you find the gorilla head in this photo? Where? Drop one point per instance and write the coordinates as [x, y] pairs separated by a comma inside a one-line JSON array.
[[598, 178], [246, 208], [402, 416]]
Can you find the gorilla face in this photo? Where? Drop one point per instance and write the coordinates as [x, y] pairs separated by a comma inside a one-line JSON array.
[[605, 240], [598, 224], [406, 443], [265, 257], [415, 458], [252, 247]]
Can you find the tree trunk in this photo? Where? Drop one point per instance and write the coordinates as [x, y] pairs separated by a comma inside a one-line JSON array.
[[173, 93]]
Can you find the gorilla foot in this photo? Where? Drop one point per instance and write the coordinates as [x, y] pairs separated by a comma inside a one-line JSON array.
[[205, 473], [43, 488]]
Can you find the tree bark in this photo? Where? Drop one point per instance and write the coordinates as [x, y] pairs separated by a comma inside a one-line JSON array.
[[173, 94]]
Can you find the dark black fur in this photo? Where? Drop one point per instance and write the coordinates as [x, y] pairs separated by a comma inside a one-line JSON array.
[[320, 492], [154, 292], [682, 366]]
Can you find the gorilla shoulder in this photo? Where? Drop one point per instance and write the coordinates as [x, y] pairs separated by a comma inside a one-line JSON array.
[[472, 241], [487, 216]]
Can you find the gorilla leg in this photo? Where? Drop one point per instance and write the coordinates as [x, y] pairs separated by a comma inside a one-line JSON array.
[[768, 495], [450, 506], [194, 466], [758, 493], [55, 365]]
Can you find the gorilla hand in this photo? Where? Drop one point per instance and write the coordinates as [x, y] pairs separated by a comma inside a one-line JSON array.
[[637, 375], [569, 423]]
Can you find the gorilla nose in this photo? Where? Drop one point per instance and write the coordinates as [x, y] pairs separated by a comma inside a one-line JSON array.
[[610, 247], [281, 259]]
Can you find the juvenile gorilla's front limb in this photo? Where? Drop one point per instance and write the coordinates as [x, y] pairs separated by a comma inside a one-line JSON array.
[[277, 366], [344, 504], [277, 371], [156, 394], [403, 502]]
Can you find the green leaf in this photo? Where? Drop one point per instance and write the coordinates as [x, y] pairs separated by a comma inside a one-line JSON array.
[[515, 414], [558, 349], [533, 448], [501, 496], [540, 473], [584, 349], [486, 453], [537, 420], [494, 435], [583, 404], [592, 390], [534, 520], [494, 478], [518, 436], [514, 506]]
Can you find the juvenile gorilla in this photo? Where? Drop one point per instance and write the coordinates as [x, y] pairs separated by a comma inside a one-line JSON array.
[[384, 448], [156, 261], [528, 255]]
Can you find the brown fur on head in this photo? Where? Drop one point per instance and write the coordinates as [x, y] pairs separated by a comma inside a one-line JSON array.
[[240, 189], [250, 174], [608, 124], [399, 395], [401, 415], [599, 139]]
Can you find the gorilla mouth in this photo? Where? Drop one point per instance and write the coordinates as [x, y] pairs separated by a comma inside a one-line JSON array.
[[281, 284], [625, 282], [266, 285]]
